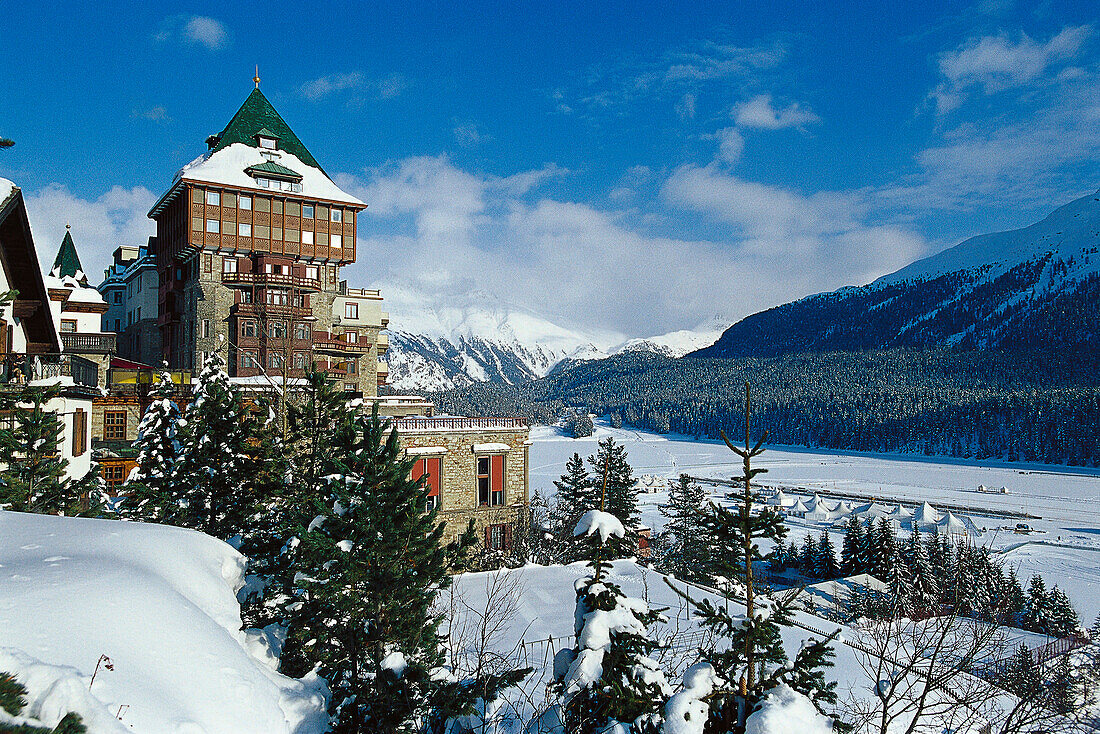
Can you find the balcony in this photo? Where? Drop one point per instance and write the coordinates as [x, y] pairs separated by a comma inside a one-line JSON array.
[[443, 423], [383, 344], [332, 344], [276, 280], [263, 310], [89, 343], [19, 369]]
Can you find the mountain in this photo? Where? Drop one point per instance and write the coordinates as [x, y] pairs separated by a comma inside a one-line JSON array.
[[476, 337], [1031, 288]]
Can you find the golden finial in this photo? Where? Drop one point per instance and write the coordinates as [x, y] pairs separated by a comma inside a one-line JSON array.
[[68, 226], [256, 78]]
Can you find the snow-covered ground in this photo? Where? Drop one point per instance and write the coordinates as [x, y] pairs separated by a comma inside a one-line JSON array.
[[160, 602], [1065, 550]]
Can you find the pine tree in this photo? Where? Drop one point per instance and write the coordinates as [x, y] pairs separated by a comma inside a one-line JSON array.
[[32, 471], [825, 565], [542, 541], [1065, 688], [1015, 604], [684, 544], [620, 494], [609, 679], [882, 549], [1063, 617], [853, 550], [1037, 613], [924, 591], [807, 557], [214, 490], [368, 568], [149, 487], [576, 495], [748, 651]]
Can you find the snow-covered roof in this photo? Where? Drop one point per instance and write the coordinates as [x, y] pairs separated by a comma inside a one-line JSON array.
[[871, 510], [425, 450], [489, 448], [799, 506], [900, 513], [6, 189], [79, 290], [226, 167], [927, 514], [950, 523]]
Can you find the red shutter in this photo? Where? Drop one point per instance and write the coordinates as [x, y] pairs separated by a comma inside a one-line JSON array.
[[433, 467], [496, 473], [508, 537], [488, 536]]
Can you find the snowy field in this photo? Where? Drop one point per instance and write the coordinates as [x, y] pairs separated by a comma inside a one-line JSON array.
[[1065, 550]]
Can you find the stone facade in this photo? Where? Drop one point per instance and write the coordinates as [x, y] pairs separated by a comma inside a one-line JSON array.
[[458, 442]]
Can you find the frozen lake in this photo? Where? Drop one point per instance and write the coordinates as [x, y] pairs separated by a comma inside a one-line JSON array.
[[1066, 550]]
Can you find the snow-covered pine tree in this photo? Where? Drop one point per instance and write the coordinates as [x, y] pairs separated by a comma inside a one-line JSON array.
[[1015, 600], [13, 701], [684, 547], [807, 556], [1063, 617], [368, 568], [213, 479], [32, 470], [609, 679], [620, 495], [854, 548], [882, 549], [542, 540], [825, 565], [1037, 611], [149, 486], [747, 652], [923, 590], [576, 495]]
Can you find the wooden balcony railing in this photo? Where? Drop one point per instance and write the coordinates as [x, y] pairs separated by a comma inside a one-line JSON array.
[[90, 343], [277, 280], [412, 424]]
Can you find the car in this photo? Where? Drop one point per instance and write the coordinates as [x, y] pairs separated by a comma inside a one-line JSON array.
[[1022, 527]]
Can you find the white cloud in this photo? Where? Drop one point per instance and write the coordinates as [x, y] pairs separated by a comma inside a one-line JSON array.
[[997, 63], [467, 133], [198, 30], [685, 108], [731, 144], [116, 218], [205, 31], [384, 88], [156, 113], [759, 112], [443, 230]]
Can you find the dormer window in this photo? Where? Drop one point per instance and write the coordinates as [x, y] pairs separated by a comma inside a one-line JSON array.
[[266, 139]]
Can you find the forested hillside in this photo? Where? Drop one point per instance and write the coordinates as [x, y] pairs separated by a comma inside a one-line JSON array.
[[1033, 406]]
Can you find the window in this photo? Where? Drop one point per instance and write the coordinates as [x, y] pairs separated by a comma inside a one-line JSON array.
[[114, 425], [311, 272], [244, 229], [299, 361], [295, 187], [263, 231], [351, 366], [267, 143], [213, 226], [337, 215], [114, 474], [351, 310], [278, 329], [80, 432], [118, 295], [196, 224], [264, 183], [68, 326], [277, 298], [229, 265], [212, 198], [351, 337], [307, 237], [301, 330], [307, 211], [274, 360], [290, 235], [248, 360], [248, 328], [322, 239], [431, 469], [490, 480], [498, 537], [206, 328], [118, 325], [349, 387], [263, 204], [246, 296], [293, 209], [335, 240], [207, 262]]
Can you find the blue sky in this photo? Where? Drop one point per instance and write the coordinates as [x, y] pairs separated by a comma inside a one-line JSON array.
[[628, 167]]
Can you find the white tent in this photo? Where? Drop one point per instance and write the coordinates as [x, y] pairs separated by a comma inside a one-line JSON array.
[[950, 524], [817, 504], [900, 513], [843, 509], [926, 515], [780, 499], [799, 509], [871, 511]]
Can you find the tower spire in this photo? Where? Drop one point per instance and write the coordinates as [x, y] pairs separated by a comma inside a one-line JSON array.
[[256, 78]]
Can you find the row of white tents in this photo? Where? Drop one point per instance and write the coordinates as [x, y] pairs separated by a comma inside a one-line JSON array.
[[925, 518]]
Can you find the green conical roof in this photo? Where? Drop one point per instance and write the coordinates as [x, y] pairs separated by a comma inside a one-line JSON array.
[[67, 262], [257, 115]]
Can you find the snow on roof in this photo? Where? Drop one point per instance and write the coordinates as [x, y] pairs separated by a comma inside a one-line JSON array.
[[423, 450], [899, 513], [950, 523], [226, 167], [6, 189], [489, 448], [927, 514], [799, 506], [79, 290]]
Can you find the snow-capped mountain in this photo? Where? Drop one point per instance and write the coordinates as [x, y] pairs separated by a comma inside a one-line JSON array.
[[476, 337], [1032, 288]]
